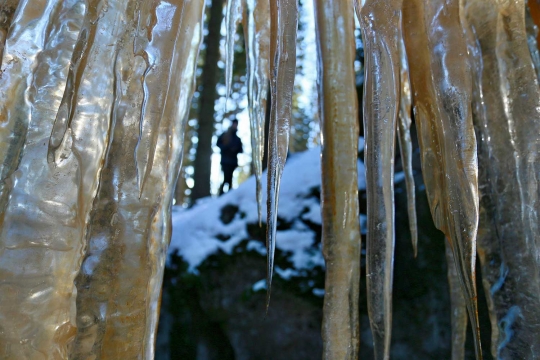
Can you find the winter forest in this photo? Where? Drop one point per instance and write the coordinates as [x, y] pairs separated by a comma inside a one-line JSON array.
[[269, 179]]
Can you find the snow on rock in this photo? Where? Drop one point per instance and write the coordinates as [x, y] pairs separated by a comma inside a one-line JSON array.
[[259, 285], [221, 223]]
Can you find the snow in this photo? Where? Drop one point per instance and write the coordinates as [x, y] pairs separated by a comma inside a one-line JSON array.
[[399, 176], [363, 224], [286, 273], [195, 230], [314, 213], [256, 246], [259, 285]]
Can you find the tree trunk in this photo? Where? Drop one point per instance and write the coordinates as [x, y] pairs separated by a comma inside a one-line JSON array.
[[203, 158]]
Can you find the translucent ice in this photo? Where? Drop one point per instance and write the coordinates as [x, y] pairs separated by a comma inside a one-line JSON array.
[[405, 144], [507, 121], [233, 16], [257, 35], [380, 23], [338, 110], [441, 87], [92, 244], [284, 24]]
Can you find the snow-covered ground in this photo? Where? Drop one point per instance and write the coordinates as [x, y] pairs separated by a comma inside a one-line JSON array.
[[195, 230]]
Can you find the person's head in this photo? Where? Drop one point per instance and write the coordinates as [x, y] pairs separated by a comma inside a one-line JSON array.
[[234, 125]]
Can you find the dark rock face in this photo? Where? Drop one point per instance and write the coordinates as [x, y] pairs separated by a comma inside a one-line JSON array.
[[228, 213], [219, 314], [221, 303]]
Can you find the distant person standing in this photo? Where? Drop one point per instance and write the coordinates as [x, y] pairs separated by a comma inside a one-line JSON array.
[[230, 145]]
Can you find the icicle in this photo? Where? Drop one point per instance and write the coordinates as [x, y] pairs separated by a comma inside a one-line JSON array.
[[19, 49], [458, 307], [339, 198], [283, 27], [405, 144], [46, 217], [59, 144], [380, 23], [484, 235], [151, 112], [128, 236], [440, 81], [507, 121], [532, 35], [233, 15], [257, 35], [90, 191]]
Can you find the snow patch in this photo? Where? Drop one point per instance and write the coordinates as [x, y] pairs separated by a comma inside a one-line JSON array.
[[256, 246], [259, 285], [286, 274], [314, 213], [198, 232], [399, 177]]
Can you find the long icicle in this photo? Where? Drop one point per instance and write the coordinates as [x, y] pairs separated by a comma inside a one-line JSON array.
[[20, 49], [284, 25], [484, 236], [458, 306], [128, 235], [405, 144], [507, 121], [50, 237], [435, 41], [338, 109], [33, 292], [257, 36], [380, 23], [233, 16]]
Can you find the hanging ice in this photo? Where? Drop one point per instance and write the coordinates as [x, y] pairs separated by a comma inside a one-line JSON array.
[[93, 98], [283, 27], [257, 35], [340, 233], [233, 16], [93, 252], [507, 121], [380, 23], [440, 79], [405, 143], [458, 306]]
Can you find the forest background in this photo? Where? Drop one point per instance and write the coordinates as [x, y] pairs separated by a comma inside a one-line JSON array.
[[211, 112]]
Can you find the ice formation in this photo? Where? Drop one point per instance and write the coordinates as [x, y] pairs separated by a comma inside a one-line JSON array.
[[507, 124], [257, 35], [339, 191], [233, 16], [283, 27], [405, 143], [380, 24], [94, 95], [441, 86]]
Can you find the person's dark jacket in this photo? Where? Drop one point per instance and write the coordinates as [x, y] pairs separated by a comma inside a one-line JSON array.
[[230, 145]]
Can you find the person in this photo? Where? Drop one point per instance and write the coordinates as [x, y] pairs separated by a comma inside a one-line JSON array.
[[230, 145]]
